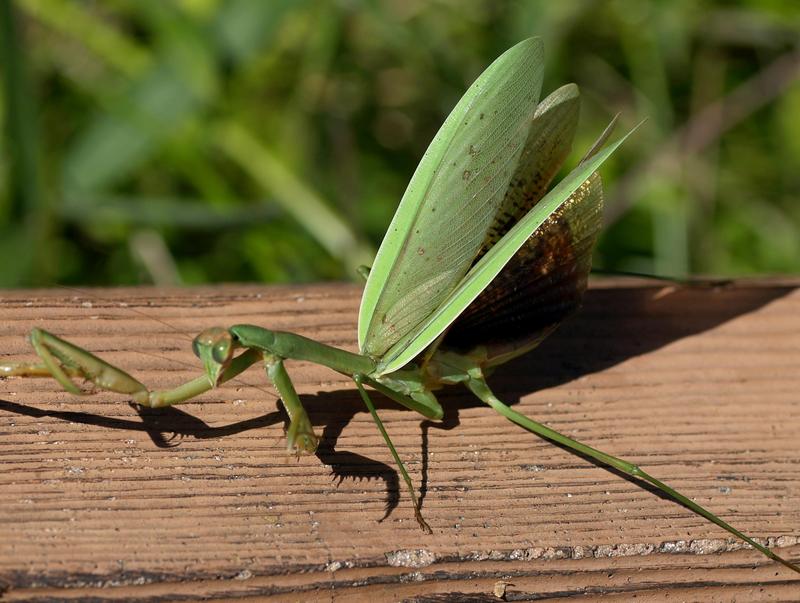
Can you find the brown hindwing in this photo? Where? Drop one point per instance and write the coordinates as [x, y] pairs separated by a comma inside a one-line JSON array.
[[540, 286], [547, 146]]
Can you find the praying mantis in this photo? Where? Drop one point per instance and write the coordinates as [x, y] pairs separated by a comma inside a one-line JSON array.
[[482, 260]]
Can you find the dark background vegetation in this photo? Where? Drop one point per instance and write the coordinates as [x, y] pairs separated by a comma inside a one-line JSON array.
[[244, 140]]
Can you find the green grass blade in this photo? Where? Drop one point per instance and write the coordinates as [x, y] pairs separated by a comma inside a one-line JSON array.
[[294, 197], [82, 24], [27, 202], [189, 213]]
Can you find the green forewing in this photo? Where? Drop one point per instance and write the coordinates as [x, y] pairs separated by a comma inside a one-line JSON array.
[[489, 266], [451, 200]]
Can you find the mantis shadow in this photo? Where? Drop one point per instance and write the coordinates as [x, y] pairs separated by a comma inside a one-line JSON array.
[[614, 325], [167, 426], [617, 324]]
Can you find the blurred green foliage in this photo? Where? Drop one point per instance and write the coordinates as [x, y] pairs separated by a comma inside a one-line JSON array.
[[237, 140]]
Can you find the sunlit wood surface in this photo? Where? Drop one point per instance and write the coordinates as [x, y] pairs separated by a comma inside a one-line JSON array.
[[698, 385]]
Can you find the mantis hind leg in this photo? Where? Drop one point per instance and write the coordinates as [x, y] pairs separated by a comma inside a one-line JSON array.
[[479, 387]]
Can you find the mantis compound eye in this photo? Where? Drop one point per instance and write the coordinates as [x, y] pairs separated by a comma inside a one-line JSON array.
[[221, 352], [215, 348], [216, 342]]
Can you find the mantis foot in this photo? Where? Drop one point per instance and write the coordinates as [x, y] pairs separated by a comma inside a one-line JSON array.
[[300, 437]]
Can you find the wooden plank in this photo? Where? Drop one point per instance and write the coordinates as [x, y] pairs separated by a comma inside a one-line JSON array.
[[699, 386]]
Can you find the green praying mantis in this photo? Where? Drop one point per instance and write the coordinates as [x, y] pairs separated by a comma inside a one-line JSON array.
[[481, 262]]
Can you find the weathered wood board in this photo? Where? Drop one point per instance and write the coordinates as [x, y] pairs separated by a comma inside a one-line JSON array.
[[698, 385]]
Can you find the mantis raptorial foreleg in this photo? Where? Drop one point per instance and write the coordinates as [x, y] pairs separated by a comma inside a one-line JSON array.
[[65, 361]]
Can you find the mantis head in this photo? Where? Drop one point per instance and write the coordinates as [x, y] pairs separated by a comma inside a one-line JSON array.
[[215, 348]]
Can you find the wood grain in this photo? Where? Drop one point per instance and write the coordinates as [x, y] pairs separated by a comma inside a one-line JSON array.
[[698, 385]]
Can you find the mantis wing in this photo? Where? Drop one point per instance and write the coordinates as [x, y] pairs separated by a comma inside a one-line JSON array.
[[488, 267], [548, 144], [539, 287], [451, 200], [544, 281]]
